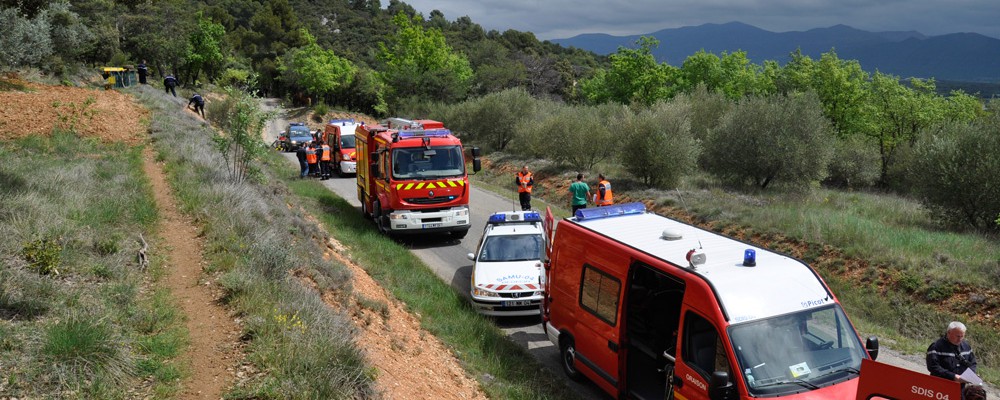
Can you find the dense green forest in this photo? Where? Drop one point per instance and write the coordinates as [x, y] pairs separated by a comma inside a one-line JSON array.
[[353, 53]]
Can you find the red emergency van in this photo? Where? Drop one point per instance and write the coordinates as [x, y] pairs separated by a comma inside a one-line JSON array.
[[648, 307]]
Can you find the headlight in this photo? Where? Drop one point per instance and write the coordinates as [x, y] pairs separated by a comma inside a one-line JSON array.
[[295, 142], [538, 293], [397, 216], [483, 293], [462, 212]]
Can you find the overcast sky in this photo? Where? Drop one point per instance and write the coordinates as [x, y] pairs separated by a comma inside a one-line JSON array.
[[557, 19]]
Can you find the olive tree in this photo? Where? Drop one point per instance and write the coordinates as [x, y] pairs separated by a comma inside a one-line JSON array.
[[956, 172], [659, 147], [765, 140]]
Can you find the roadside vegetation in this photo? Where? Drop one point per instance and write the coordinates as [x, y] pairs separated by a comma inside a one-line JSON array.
[[80, 316], [297, 347], [503, 369]]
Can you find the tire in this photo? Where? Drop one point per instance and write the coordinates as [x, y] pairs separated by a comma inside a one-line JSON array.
[[567, 352], [379, 218]]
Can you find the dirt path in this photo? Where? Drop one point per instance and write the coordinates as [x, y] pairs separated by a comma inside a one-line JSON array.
[[412, 363], [213, 353]]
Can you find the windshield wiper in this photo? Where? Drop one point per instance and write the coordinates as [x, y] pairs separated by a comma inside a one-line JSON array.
[[853, 370], [799, 382]]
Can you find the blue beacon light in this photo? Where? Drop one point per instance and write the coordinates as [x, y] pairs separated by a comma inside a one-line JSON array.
[[749, 258]]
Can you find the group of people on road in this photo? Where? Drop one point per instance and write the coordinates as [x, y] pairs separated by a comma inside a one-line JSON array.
[[315, 160], [579, 191]]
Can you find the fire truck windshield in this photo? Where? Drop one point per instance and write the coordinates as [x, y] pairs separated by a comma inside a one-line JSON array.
[[808, 349], [427, 163]]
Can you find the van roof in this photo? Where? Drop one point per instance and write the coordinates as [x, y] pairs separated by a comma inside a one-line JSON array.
[[777, 285]]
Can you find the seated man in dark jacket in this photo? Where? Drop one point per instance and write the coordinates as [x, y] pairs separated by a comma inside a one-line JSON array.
[[949, 356]]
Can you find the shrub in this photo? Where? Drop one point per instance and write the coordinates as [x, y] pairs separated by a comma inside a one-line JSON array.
[[235, 77], [489, 119], [956, 172], [854, 163], [577, 136], [319, 111], [764, 140], [659, 147], [43, 255], [24, 41]]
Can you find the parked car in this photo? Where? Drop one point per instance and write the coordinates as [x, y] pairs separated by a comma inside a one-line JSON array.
[[507, 265], [296, 134]]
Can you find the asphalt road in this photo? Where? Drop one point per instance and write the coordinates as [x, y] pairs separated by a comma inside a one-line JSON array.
[[448, 259]]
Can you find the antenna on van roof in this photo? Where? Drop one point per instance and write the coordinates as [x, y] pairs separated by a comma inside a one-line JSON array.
[[697, 231]]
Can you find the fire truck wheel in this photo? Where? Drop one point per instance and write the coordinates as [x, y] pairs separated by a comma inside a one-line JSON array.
[[568, 352], [379, 218]]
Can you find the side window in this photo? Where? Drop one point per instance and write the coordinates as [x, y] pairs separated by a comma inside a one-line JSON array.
[[599, 293], [383, 164], [702, 348]]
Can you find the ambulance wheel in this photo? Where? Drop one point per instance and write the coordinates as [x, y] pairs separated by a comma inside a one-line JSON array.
[[568, 352]]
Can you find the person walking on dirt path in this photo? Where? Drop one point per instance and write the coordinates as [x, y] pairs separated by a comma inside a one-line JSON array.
[[300, 153], [199, 104], [579, 194], [604, 195], [169, 83], [950, 356], [524, 182], [143, 71]]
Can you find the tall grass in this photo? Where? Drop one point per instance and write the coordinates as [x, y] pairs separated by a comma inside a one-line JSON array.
[[71, 209], [254, 240], [476, 341]]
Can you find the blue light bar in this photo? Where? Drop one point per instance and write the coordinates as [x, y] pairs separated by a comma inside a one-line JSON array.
[[424, 133], [533, 217], [344, 120], [497, 219], [617, 210], [297, 123]]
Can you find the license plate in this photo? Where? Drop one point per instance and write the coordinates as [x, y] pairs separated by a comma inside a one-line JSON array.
[[437, 225], [515, 303]]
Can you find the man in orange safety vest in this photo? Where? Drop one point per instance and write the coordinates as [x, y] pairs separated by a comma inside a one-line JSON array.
[[604, 195], [524, 181]]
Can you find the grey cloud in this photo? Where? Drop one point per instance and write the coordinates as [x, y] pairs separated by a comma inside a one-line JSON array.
[[564, 18]]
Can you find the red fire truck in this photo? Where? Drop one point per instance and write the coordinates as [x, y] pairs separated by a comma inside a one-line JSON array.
[[652, 308], [412, 178]]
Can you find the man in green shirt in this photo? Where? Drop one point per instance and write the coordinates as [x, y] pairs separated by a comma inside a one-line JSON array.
[[579, 193]]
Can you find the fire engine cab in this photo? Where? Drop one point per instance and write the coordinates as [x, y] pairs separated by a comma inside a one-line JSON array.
[[339, 135], [652, 308], [412, 178]]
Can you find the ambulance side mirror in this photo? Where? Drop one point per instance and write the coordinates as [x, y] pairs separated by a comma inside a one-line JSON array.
[[476, 165], [871, 344], [476, 152], [721, 388], [471, 256]]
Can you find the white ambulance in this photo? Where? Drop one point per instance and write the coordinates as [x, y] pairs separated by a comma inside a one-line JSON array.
[[507, 265]]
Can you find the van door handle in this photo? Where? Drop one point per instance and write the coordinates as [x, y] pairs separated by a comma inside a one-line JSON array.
[[613, 346]]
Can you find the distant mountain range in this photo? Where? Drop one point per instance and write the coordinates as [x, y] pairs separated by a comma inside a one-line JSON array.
[[968, 57]]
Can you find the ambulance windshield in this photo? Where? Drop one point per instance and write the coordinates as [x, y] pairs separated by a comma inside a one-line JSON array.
[[809, 349], [512, 248], [427, 163]]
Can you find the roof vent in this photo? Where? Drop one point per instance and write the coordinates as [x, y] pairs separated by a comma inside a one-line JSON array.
[[670, 234]]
